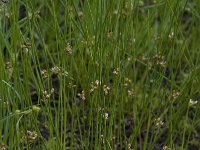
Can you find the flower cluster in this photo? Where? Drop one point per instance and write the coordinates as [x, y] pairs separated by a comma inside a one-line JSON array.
[[55, 70], [3, 146], [44, 74], [82, 95], [102, 139], [129, 147], [80, 14], [192, 103], [130, 93], [71, 85], [46, 94], [160, 60], [158, 122], [171, 35], [6, 104], [8, 65], [36, 108], [25, 48], [106, 89], [30, 137], [105, 116], [166, 148], [127, 82], [95, 85], [103, 113], [3, 2], [175, 94], [116, 71], [68, 49]]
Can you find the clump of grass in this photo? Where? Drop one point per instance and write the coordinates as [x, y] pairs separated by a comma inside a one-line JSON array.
[[99, 74]]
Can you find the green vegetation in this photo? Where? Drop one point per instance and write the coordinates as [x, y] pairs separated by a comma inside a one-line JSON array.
[[100, 74]]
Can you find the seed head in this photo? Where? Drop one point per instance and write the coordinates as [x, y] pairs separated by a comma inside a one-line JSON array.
[[116, 71], [36, 108], [106, 89], [80, 14], [3, 146], [17, 111], [95, 85], [44, 73], [127, 82], [55, 70], [8, 65], [31, 135], [192, 102], [105, 116], [175, 94], [129, 147], [6, 104], [130, 93], [46, 95], [82, 95], [25, 47], [3, 1], [171, 35], [71, 85], [159, 122], [102, 139], [160, 60], [68, 49], [166, 148]]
